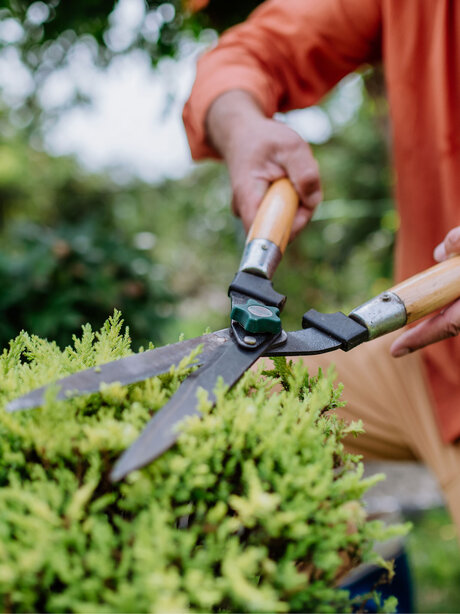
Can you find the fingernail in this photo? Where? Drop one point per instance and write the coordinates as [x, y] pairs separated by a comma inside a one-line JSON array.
[[401, 352], [439, 253]]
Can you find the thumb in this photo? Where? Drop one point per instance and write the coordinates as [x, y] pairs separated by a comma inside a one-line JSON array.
[[449, 247]]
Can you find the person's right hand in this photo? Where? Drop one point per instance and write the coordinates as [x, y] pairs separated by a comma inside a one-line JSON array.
[[444, 324], [258, 151]]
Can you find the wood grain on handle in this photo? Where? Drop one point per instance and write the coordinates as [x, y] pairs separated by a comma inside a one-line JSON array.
[[431, 289], [275, 215]]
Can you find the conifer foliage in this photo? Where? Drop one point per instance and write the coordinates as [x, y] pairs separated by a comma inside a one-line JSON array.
[[257, 508]]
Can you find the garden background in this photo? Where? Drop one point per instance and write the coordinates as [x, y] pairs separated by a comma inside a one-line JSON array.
[[101, 207]]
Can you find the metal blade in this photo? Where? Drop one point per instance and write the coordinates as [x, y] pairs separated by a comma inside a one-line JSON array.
[[127, 370], [304, 343], [229, 362]]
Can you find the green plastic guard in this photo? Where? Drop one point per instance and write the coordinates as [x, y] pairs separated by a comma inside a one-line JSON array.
[[256, 317]]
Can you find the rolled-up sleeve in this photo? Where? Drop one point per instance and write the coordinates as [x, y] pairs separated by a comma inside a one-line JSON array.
[[287, 55]]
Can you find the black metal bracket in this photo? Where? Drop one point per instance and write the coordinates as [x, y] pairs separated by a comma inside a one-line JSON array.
[[339, 326], [259, 288], [252, 341]]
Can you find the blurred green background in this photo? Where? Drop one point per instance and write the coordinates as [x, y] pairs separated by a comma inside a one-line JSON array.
[[75, 244]]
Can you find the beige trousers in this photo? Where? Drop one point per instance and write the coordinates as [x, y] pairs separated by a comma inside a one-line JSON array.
[[391, 397]]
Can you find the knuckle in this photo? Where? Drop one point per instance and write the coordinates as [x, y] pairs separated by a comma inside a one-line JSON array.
[[308, 185], [310, 179], [292, 139], [289, 143], [452, 328], [450, 325]]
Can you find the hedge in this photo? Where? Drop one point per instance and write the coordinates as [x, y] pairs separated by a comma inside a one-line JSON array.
[[257, 508]]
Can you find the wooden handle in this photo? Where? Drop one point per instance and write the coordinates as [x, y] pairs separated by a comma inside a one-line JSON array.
[[275, 215], [431, 289]]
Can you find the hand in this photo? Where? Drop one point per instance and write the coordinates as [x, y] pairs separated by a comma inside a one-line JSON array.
[[441, 326], [258, 151]]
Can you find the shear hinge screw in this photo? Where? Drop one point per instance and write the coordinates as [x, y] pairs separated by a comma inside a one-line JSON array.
[[255, 317], [249, 340]]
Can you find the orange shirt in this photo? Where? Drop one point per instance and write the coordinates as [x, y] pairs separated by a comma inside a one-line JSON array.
[[289, 53]]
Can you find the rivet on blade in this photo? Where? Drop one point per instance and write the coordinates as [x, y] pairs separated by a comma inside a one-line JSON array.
[[249, 340]]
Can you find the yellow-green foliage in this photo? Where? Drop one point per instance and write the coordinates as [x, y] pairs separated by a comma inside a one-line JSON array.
[[256, 509]]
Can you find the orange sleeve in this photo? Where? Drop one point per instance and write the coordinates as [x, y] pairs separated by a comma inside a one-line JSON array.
[[288, 54]]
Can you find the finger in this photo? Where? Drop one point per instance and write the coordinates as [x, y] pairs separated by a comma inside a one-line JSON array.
[[302, 217], [314, 200], [302, 169], [442, 326], [449, 247], [247, 197], [440, 253], [452, 241], [307, 185], [250, 189]]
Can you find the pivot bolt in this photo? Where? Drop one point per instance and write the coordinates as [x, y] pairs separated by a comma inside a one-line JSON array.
[[260, 311], [256, 317]]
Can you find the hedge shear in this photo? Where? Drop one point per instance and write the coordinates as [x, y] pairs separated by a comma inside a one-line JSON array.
[[255, 330]]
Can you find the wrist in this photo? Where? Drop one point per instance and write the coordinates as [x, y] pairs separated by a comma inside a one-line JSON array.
[[227, 116]]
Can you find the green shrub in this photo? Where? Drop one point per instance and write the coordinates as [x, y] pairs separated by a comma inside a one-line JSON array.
[[256, 509]]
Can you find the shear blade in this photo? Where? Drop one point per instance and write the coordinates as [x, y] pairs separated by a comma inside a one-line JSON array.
[[127, 370], [230, 361]]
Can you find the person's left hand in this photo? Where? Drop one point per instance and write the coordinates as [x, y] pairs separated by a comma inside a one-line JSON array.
[[441, 326]]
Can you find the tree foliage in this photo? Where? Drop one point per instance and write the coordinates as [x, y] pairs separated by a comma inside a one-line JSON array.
[[43, 37], [51, 27]]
